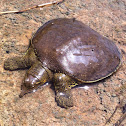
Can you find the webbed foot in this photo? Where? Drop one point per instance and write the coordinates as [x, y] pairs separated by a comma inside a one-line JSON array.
[[64, 99], [63, 85]]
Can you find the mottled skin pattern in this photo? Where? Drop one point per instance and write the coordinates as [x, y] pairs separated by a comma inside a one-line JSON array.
[[66, 53]]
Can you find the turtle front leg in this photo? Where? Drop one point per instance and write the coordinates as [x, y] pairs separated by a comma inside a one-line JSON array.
[[63, 84], [21, 62]]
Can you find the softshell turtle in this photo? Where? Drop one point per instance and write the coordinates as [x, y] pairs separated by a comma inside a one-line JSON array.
[[65, 52]]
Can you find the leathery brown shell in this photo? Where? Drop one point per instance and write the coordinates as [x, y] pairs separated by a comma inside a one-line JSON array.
[[71, 47]]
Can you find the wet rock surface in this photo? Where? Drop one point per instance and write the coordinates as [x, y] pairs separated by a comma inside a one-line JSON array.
[[92, 107]]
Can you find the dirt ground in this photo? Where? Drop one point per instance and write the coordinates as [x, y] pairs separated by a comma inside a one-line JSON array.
[[92, 107]]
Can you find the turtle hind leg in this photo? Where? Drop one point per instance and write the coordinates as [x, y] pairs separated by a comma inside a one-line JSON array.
[[63, 85], [24, 62]]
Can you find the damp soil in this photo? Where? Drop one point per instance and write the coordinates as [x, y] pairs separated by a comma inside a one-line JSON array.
[[93, 106]]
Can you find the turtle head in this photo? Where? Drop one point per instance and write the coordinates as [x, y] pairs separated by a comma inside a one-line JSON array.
[[36, 76]]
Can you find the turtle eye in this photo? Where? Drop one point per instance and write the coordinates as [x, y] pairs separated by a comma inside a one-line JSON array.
[[30, 81]]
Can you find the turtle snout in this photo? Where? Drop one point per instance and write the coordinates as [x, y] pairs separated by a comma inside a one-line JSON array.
[[28, 85]]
